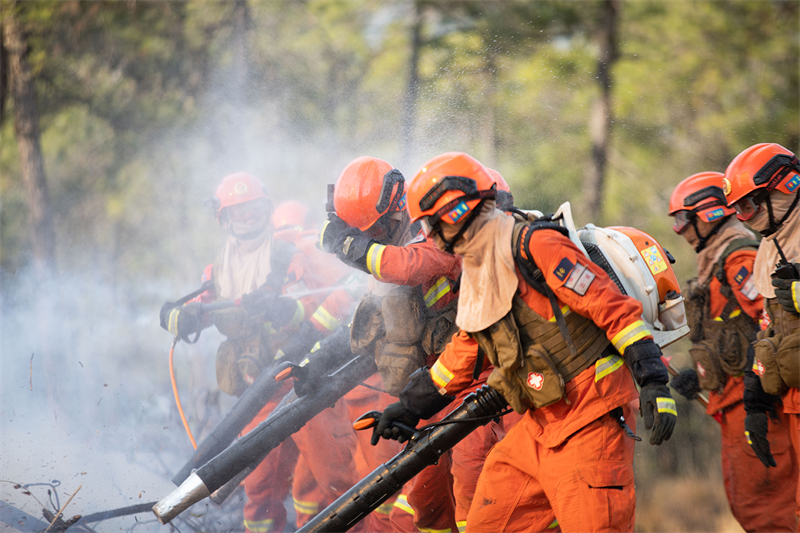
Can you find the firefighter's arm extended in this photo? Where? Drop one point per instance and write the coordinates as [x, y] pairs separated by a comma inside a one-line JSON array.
[[184, 317], [412, 264], [586, 289], [430, 390], [739, 270]]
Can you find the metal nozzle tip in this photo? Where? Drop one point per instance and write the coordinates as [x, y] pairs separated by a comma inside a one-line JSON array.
[[190, 492]]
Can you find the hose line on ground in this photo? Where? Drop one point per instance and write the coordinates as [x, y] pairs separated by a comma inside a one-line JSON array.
[[175, 392]]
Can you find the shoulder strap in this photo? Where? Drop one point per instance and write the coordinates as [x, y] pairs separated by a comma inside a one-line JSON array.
[[533, 275], [734, 246]]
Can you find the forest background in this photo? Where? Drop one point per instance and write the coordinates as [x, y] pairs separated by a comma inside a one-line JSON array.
[[117, 120]]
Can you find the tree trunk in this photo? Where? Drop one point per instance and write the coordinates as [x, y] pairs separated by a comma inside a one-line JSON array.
[[601, 118], [412, 89], [26, 127]]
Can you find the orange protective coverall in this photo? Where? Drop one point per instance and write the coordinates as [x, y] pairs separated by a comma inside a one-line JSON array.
[[756, 494], [320, 473], [568, 464], [438, 497]]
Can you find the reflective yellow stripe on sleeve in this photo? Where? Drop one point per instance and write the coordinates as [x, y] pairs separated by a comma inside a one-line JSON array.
[[441, 376], [402, 503], [327, 320], [636, 331], [384, 508], [435, 293], [553, 525], [796, 296], [462, 526], [607, 365], [429, 530], [306, 507], [374, 255], [736, 312], [299, 314], [172, 325], [259, 526]]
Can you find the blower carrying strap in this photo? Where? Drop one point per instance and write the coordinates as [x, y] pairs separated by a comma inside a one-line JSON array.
[[534, 277]]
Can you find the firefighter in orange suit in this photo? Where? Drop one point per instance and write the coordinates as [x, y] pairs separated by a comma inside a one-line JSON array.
[[371, 231], [568, 462], [291, 223], [263, 272], [724, 309], [763, 184]]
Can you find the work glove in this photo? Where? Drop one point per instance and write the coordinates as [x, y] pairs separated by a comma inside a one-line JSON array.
[[658, 410], [351, 248], [258, 302], [331, 231], [300, 344], [755, 429], [787, 292], [181, 320], [396, 423], [687, 384]]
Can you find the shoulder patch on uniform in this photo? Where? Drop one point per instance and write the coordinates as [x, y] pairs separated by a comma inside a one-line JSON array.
[[579, 279], [563, 269], [741, 275]]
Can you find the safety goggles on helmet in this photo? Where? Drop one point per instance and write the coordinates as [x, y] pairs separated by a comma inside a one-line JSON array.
[[682, 219], [747, 207]]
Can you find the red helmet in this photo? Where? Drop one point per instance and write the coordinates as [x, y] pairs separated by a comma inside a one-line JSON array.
[[237, 189], [699, 195], [448, 187], [368, 189], [290, 213], [755, 173], [499, 180]]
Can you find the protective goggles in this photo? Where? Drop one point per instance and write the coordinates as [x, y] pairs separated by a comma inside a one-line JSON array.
[[747, 207], [682, 219]]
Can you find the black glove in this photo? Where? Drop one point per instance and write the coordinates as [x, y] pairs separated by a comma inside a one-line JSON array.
[[687, 384], [755, 429], [330, 232], [258, 302], [396, 423], [182, 320], [300, 344], [351, 248], [787, 292], [658, 410]]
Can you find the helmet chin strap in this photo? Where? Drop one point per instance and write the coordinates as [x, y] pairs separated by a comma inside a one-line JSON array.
[[704, 239], [774, 226]]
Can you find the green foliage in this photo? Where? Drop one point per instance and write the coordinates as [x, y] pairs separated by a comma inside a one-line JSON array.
[[146, 105]]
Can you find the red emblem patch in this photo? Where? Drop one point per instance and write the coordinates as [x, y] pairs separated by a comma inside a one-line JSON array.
[[535, 380], [759, 368], [701, 370]]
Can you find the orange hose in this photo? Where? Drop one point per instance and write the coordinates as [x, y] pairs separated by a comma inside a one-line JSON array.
[[175, 392]]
